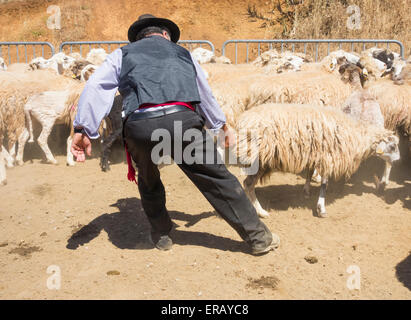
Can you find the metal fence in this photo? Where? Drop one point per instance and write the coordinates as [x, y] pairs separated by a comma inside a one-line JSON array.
[[15, 50], [108, 45], [291, 44]]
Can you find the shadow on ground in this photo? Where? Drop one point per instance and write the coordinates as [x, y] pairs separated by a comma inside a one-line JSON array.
[[403, 272], [284, 197], [129, 229]]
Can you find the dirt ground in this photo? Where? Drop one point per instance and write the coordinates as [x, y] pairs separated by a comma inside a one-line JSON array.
[[91, 226]]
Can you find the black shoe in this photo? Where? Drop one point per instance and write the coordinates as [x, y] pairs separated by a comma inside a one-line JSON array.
[[162, 242], [259, 249]]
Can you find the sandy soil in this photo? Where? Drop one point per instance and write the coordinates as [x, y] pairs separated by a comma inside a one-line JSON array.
[[91, 225]]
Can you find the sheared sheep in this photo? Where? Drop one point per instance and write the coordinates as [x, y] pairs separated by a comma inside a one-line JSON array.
[[58, 62], [294, 137], [375, 67], [360, 105], [273, 61], [202, 55], [49, 108], [96, 56], [75, 69], [87, 71], [337, 58]]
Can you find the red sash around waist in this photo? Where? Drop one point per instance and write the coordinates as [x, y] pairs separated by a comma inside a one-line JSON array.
[[170, 103]]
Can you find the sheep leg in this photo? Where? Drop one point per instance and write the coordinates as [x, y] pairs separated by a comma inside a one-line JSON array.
[[385, 178], [107, 143], [42, 140], [307, 184], [12, 150], [3, 177], [6, 156], [249, 188], [321, 199], [22, 142], [70, 156]]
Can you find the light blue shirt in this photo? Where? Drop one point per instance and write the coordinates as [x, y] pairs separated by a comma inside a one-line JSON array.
[[98, 95]]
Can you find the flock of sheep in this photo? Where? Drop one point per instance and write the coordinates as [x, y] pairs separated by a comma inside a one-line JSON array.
[[322, 118]]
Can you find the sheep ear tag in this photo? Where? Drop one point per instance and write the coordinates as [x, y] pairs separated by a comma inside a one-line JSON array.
[[379, 151]]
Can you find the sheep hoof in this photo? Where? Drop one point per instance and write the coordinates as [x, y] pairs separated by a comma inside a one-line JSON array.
[[4, 182], [9, 165], [51, 161], [381, 188], [263, 214], [321, 211], [20, 162], [105, 167]]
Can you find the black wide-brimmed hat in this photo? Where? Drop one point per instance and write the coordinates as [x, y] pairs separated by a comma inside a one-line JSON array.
[[148, 20]]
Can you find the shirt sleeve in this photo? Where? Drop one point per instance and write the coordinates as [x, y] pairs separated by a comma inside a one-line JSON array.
[[209, 107], [98, 95]]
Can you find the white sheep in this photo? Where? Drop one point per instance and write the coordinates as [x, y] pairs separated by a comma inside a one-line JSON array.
[[273, 61], [202, 55], [96, 56], [3, 66], [337, 58], [294, 137], [50, 108], [401, 71], [58, 62], [376, 68]]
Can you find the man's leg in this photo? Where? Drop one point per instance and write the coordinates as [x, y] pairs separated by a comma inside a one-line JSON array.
[[221, 188], [151, 188]]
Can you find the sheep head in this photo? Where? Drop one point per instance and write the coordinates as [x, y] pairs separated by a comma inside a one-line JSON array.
[[350, 73], [387, 148]]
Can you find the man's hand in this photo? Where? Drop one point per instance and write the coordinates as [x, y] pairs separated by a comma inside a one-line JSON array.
[[229, 136], [81, 143]]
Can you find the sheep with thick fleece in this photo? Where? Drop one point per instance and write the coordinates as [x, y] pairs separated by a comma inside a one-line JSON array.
[[395, 105], [11, 123], [294, 137], [222, 73], [310, 86], [234, 96]]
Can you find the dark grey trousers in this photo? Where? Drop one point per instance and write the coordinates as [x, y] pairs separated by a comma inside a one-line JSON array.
[[216, 183]]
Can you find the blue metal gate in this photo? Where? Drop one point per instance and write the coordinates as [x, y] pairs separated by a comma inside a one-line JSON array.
[[110, 45], [11, 52], [305, 42]]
